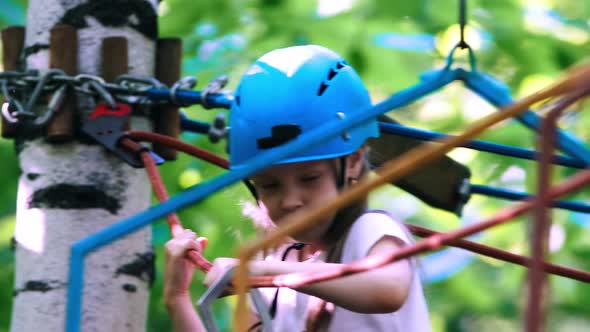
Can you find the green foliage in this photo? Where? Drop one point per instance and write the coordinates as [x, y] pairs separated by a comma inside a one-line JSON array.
[[223, 37]]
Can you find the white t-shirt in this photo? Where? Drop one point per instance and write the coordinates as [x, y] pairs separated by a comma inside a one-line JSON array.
[[364, 234]]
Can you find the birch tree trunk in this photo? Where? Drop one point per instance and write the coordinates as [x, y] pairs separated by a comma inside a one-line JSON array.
[[70, 190]]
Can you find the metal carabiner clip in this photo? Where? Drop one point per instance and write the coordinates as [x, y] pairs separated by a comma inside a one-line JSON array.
[[187, 82], [214, 86]]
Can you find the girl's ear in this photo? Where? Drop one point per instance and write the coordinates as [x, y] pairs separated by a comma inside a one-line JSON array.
[[354, 164]]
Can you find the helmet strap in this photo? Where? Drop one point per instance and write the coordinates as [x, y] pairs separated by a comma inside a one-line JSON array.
[[342, 176], [251, 188]]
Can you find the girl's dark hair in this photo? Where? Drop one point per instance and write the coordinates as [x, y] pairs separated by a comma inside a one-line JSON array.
[[320, 314]]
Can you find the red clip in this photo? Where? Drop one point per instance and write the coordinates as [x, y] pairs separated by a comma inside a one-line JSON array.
[[104, 109]]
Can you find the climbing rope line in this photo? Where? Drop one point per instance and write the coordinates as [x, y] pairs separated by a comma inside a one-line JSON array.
[[162, 196], [432, 242], [33, 98], [23, 91], [195, 194], [180, 146], [142, 90], [202, 264], [542, 219], [503, 255], [391, 171], [511, 151]]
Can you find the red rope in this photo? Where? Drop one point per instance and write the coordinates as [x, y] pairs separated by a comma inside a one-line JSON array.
[[503, 255], [536, 308], [162, 195], [179, 145], [417, 230], [428, 244]]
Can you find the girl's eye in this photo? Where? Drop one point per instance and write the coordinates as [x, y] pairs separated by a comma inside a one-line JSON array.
[[310, 178]]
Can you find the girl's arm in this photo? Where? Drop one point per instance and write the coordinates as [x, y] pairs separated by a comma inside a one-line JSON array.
[[377, 291], [380, 290], [183, 315]]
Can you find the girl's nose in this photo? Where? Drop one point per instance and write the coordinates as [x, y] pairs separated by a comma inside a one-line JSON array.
[[291, 199]]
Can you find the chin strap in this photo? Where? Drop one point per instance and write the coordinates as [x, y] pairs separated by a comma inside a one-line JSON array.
[[342, 175], [273, 307]]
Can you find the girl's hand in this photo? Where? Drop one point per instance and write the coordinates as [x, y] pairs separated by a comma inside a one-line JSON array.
[[179, 270], [220, 266]]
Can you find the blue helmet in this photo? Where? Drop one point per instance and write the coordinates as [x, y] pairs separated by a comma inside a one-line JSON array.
[[290, 91]]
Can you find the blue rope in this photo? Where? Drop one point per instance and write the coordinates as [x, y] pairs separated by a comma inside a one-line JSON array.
[[498, 94], [487, 87], [194, 126], [191, 97], [516, 196], [197, 193], [400, 130], [436, 80], [396, 129]]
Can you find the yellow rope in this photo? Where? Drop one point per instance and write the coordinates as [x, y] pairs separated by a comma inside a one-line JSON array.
[[389, 172]]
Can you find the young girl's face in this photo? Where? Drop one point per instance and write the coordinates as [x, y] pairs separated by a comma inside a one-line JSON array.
[[284, 189]]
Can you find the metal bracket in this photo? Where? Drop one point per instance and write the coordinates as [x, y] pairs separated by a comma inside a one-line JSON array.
[[213, 292], [218, 129], [107, 126]]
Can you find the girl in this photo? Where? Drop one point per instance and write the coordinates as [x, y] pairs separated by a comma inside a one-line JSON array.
[[284, 94]]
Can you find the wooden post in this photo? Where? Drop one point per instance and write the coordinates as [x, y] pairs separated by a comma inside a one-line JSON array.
[[13, 39], [114, 60], [168, 69], [63, 54]]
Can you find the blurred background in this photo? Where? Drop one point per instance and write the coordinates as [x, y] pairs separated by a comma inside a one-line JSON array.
[[525, 43]]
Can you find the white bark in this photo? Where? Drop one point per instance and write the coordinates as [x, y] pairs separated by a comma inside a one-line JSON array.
[[114, 299]]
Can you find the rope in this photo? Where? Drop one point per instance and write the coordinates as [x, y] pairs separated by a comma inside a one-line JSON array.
[[161, 194], [542, 220], [396, 168], [391, 171], [416, 230], [204, 265], [505, 150], [430, 243], [503, 255], [180, 146], [517, 196]]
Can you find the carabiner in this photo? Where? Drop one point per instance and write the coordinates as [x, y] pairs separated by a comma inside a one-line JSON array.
[[187, 82], [214, 86]]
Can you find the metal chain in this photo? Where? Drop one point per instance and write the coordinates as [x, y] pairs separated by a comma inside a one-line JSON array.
[[23, 90]]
